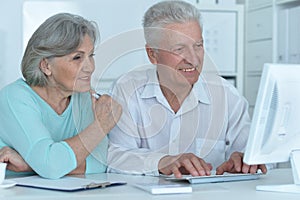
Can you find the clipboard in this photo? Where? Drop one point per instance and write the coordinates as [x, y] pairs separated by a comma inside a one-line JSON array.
[[64, 184]]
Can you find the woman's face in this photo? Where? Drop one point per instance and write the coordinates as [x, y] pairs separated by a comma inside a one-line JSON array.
[[72, 72]]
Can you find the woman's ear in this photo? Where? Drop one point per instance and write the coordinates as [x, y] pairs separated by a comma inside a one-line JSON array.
[[45, 67], [152, 54]]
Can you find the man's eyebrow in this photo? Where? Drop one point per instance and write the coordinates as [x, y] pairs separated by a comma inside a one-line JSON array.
[[179, 44]]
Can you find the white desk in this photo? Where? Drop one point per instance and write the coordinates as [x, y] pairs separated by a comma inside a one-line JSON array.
[[231, 190]]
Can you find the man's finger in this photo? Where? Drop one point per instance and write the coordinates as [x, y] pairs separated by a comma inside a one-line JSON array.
[[176, 172], [221, 169], [263, 168], [227, 166], [193, 167], [237, 159], [249, 169], [206, 167]]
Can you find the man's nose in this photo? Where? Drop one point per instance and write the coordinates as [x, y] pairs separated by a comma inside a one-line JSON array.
[[192, 57]]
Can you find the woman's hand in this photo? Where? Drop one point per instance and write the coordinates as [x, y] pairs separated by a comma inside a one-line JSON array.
[[107, 112], [13, 159]]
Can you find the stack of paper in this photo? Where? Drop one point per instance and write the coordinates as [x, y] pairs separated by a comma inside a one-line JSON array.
[[165, 188]]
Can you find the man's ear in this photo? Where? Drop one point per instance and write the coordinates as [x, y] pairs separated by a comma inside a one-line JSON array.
[[152, 54], [45, 67]]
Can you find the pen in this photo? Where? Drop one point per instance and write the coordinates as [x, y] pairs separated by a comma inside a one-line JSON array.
[[93, 185], [97, 185], [96, 95]]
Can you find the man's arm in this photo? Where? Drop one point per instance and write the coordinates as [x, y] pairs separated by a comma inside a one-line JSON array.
[[130, 149], [126, 152]]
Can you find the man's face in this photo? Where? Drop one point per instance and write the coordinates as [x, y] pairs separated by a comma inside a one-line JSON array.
[[179, 58]]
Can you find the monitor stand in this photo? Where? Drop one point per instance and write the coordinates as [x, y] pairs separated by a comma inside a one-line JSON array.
[[289, 188]]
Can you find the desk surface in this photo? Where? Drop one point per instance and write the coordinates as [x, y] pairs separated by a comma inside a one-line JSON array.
[[231, 190]]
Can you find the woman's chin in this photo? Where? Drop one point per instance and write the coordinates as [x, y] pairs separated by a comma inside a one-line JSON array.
[[82, 89]]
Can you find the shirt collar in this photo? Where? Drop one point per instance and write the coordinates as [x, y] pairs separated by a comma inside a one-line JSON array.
[[152, 88], [200, 90]]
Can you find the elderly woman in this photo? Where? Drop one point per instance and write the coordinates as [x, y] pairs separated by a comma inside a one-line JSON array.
[[51, 117]]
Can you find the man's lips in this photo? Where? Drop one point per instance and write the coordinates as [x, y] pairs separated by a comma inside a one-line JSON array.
[[188, 69]]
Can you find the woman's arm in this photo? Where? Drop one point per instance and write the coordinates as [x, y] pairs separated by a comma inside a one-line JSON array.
[[13, 159], [107, 113], [16, 163], [28, 126]]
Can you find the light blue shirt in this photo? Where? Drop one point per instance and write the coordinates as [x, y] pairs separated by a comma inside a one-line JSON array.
[[212, 123], [30, 126]]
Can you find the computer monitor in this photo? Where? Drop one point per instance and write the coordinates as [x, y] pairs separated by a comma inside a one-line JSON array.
[[275, 129]]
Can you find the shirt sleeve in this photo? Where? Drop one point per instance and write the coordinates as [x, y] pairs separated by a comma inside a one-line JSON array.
[[238, 122], [22, 128], [125, 152]]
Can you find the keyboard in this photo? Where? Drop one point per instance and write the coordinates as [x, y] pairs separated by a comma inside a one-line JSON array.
[[215, 178]]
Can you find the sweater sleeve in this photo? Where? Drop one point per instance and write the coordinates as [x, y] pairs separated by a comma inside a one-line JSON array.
[[22, 128]]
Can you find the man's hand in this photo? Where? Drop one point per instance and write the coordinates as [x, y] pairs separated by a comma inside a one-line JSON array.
[[235, 165], [14, 161], [186, 163]]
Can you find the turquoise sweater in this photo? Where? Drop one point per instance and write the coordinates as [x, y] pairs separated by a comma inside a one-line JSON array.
[[29, 125]]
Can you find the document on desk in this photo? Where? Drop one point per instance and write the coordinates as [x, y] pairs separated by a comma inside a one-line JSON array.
[[215, 178], [66, 184], [165, 188]]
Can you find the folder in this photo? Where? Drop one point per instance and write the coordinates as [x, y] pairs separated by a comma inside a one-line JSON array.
[[65, 184]]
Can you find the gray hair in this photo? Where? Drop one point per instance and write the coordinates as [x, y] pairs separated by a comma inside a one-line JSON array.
[[58, 36], [168, 12]]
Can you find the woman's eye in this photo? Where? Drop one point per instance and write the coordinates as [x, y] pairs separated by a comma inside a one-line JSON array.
[[76, 57], [92, 55]]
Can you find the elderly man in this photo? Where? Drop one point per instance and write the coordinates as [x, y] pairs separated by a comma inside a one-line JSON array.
[[176, 120]]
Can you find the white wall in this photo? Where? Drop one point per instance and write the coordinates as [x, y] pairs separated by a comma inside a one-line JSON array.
[[112, 20], [10, 40]]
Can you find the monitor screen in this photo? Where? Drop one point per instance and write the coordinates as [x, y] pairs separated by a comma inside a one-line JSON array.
[[275, 127]]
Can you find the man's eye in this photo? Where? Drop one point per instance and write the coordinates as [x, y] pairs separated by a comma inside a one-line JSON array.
[[199, 45], [92, 55], [178, 50]]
